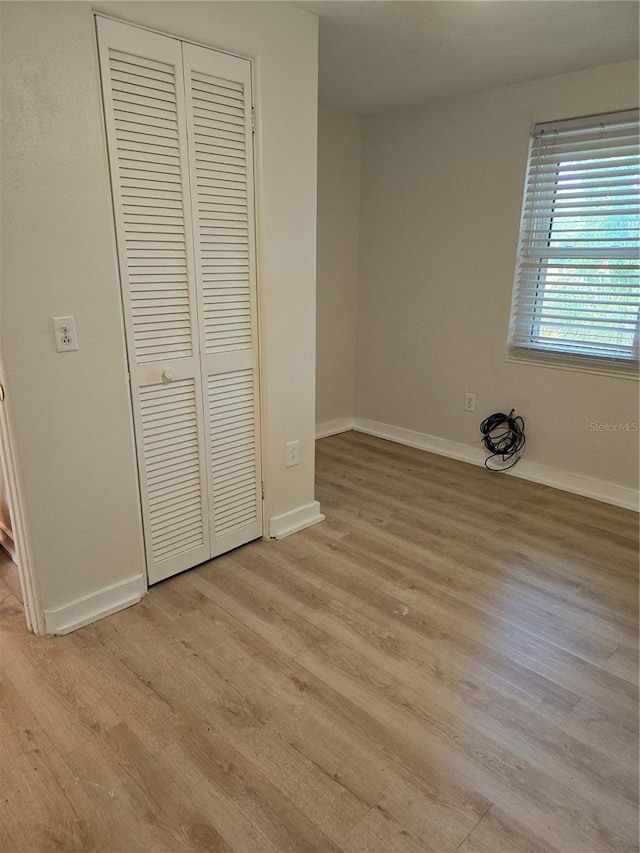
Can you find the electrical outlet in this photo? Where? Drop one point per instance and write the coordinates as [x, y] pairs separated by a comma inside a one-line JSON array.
[[64, 334], [291, 453], [469, 402]]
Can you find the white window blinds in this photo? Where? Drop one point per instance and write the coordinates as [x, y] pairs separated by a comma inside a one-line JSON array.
[[576, 290]]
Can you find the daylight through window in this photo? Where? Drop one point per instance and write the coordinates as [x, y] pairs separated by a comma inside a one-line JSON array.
[[576, 291]]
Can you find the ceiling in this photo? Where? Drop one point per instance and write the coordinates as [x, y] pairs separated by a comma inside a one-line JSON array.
[[378, 55]]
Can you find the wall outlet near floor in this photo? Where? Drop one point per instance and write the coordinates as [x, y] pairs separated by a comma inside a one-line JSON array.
[[64, 333], [469, 402], [291, 453]]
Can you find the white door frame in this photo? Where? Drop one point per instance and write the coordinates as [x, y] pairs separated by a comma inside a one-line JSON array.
[[12, 480]]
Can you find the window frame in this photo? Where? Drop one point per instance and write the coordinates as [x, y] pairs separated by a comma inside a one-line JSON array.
[[534, 352]]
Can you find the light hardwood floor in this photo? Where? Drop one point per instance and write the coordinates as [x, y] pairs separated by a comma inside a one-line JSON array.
[[448, 663], [9, 577]]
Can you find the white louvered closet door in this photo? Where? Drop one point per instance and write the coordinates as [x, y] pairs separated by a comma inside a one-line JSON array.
[[218, 88], [178, 121], [143, 90]]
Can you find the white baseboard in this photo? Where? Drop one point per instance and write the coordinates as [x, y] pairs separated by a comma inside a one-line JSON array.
[[421, 440], [333, 427], [295, 520], [89, 608], [546, 475]]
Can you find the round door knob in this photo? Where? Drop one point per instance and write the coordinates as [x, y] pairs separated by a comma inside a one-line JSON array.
[[169, 373]]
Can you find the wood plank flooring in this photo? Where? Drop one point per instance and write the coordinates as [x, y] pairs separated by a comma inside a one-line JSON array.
[[9, 577], [449, 664]]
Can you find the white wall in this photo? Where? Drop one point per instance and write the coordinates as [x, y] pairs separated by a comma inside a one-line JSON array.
[[337, 284], [72, 425], [441, 195]]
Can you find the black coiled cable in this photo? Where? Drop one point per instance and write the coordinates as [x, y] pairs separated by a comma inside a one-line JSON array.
[[503, 437]]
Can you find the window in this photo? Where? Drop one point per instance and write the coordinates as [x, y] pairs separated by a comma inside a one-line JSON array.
[[576, 293]]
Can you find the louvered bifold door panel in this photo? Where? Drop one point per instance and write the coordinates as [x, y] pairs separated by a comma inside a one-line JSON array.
[[172, 466], [233, 437], [219, 131], [143, 92]]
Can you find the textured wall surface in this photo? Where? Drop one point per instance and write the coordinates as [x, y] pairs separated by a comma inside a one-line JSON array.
[[441, 196]]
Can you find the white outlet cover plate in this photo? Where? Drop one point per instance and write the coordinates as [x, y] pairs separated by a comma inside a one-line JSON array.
[[64, 334], [292, 453]]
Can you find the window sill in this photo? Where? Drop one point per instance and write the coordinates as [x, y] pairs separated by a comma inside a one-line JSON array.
[[539, 360]]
